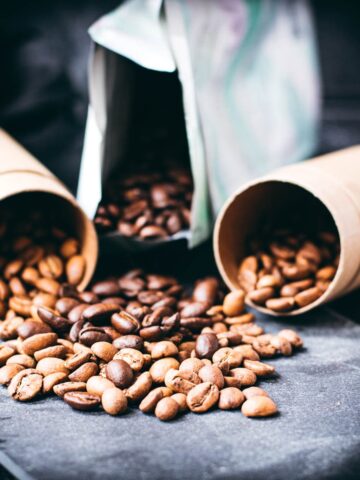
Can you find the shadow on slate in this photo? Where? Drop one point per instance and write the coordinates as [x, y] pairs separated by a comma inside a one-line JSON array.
[[316, 434]]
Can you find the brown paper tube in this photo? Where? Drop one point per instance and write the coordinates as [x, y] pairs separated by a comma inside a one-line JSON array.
[[324, 192], [23, 177]]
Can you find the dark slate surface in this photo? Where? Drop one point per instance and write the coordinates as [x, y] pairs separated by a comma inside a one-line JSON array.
[[316, 434]]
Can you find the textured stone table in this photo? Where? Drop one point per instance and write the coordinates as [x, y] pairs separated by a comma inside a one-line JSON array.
[[315, 436]]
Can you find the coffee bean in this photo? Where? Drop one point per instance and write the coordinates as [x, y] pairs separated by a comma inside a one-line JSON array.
[[140, 388], [259, 296], [206, 291], [50, 317], [49, 365], [307, 296], [5, 353], [166, 409], [160, 367], [259, 368], [7, 372], [247, 352], [254, 392], [51, 380], [65, 305], [282, 345], [104, 350], [191, 364], [57, 351], [76, 312], [164, 349], [231, 398], [132, 357], [98, 384], [84, 372], [21, 359], [106, 288], [125, 323], [180, 399], [82, 400], [120, 373], [243, 376], [38, 342], [292, 337], [258, 406], [194, 309], [89, 336], [25, 385], [149, 403], [114, 401], [69, 248], [62, 388], [283, 304], [75, 269], [206, 345], [129, 341], [234, 303], [181, 381], [30, 327], [202, 397]]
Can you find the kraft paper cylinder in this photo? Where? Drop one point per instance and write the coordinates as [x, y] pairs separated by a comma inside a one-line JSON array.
[[21, 173], [328, 185]]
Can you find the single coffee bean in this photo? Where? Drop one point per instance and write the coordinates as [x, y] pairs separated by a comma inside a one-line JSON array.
[[282, 345], [180, 399], [231, 398], [192, 365], [140, 388], [7, 372], [107, 288], [31, 327], [84, 372], [89, 336], [57, 351], [125, 323], [129, 341], [65, 305], [114, 401], [212, 374], [69, 248], [38, 342], [206, 291], [292, 337], [62, 388], [21, 359], [51, 266], [77, 359], [326, 273], [247, 352], [51, 380], [25, 385], [99, 312], [5, 353], [149, 403], [75, 269], [283, 304], [166, 409], [164, 349], [181, 381], [76, 312], [258, 406], [104, 350], [254, 392], [259, 368], [120, 373], [194, 309], [234, 303], [259, 296], [206, 345], [202, 397], [263, 346], [244, 376], [82, 400], [195, 323], [49, 365], [151, 333], [159, 368], [50, 317], [227, 355], [307, 296], [98, 384]]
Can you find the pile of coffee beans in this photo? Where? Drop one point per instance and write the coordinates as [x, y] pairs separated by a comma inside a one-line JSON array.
[[289, 271], [143, 340], [147, 205], [35, 261]]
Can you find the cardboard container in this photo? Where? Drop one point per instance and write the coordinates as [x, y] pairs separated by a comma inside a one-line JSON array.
[[324, 192], [22, 175]]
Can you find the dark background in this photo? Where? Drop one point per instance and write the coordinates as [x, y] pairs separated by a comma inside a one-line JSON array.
[[44, 49]]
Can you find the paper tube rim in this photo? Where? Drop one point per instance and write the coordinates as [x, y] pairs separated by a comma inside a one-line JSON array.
[[216, 236]]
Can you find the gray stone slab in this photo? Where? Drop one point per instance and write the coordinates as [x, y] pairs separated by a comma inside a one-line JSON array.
[[315, 435]]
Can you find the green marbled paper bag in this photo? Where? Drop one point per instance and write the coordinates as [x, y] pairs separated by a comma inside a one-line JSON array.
[[249, 78]]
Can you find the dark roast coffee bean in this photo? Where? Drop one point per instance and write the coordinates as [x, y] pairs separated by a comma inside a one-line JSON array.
[[151, 333], [31, 327], [129, 341], [120, 373], [99, 312], [75, 313], [125, 323], [91, 335], [206, 345], [106, 288], [82, 400], [56, 322], [75, 330], [65, 304], [195, 323]]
